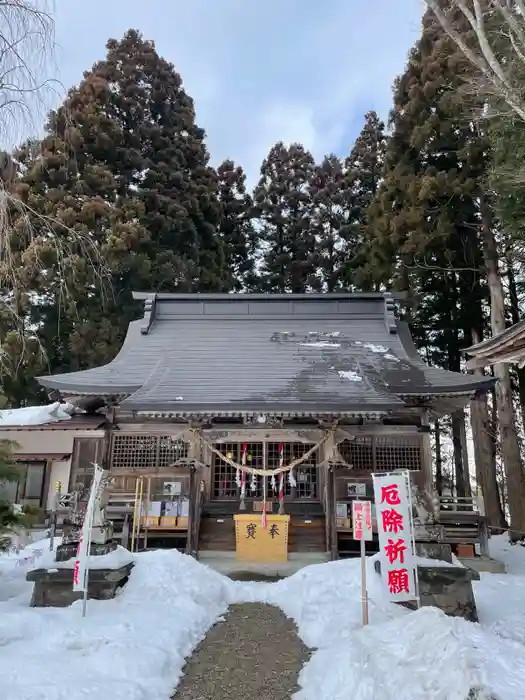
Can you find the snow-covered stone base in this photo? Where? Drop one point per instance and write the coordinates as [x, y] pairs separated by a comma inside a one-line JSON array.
[[53, 588], [445, 586]]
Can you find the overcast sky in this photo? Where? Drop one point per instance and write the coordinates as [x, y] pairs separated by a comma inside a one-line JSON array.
[[259, 71]]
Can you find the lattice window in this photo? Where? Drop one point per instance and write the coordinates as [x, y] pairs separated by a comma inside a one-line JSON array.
[[273, 463], [358, 453], [146, 451], [398, 452], [224, 486], [305, 473], [170, 450]]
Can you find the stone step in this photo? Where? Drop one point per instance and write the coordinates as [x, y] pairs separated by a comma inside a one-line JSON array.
[[225, 562]]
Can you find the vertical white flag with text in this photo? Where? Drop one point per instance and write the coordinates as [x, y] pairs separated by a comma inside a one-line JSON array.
[[395, 534], [81, 563]]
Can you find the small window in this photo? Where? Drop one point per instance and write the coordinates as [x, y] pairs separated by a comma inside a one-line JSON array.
[[30, 486], [34, 484]]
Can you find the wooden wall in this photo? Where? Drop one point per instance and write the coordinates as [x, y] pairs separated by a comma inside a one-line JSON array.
[[146, 448]]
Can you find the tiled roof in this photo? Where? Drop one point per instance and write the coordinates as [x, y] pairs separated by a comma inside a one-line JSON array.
[[322, 353]]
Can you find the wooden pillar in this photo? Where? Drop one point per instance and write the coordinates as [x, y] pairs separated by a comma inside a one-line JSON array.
[[194, 453], [331, 530], [484, 537], [427, 478], [194, 446], [107, 442], [48, 468], [333, 522], [191, 545], [330, 491]]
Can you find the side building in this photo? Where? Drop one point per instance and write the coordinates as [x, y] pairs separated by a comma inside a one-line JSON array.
[[51, 453], [208, 386]]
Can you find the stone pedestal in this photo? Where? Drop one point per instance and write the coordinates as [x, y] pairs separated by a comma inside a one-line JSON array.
[[434, 550], [54, 587], [448, 588], [429, 532]]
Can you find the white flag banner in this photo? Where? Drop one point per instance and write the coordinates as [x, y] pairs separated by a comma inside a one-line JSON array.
[[81, 563], [396, 535], [362, 520]]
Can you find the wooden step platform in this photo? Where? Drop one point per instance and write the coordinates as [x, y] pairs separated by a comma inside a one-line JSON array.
[[217, 533], [307, 534]]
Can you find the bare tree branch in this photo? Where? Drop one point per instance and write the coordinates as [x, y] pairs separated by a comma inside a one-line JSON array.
[[42, 257], [481, 52], [27, 43]]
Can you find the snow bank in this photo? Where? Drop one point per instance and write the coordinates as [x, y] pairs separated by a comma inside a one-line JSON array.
[[401, 655], [134, 647], [130, 648], [36, 415], [500, 598], [114, 560], [512, 555], [14, 566]]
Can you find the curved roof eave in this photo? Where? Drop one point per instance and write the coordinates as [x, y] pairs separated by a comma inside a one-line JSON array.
[[495, 342], [442, 384], [88, 382]]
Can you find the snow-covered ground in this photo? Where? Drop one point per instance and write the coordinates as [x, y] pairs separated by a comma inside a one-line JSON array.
[[134, 647]]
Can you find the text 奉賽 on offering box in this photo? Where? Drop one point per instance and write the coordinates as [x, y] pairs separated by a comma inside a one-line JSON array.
[[263, 544]]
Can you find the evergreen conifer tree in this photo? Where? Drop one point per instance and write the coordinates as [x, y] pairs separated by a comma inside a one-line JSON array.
[[123, 164], [236, 226], [328, 191], [283, 208], [427, 211], [363, 172]]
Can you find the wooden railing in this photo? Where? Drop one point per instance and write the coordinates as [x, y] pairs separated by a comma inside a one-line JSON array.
[[458, 504]]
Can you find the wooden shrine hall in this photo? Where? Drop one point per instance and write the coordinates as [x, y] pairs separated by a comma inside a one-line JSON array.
[[227, 409]]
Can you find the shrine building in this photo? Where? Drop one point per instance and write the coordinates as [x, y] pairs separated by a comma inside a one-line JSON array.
[[224, 404]]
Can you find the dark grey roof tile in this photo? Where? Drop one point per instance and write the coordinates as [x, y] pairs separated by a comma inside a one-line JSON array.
[[262, 352]]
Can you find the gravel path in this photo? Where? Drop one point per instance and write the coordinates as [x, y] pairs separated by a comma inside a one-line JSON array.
[[255, 654]]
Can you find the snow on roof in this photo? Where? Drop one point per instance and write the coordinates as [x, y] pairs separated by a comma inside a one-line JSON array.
[[36, 415]]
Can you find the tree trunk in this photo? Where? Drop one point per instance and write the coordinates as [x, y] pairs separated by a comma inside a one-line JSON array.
[[459, 471], [516, 317], [464, 454], [493, 427], [485, 465], [509, 438], [439, 459]]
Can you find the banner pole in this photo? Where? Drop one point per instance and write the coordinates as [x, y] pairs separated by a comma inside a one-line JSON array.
[[86, 574], [413, 538], [364, 592]]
